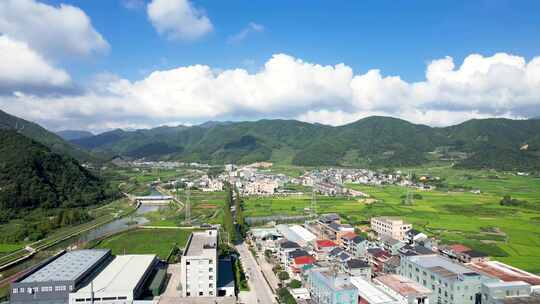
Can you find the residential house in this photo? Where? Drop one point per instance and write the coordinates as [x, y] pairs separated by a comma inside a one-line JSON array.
[[404, 289], [357, 268], [326, 287]]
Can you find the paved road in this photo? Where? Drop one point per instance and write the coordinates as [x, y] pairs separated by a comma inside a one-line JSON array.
[[256, 280]]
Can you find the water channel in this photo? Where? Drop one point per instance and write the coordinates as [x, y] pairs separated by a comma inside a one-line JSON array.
[[113, 227]]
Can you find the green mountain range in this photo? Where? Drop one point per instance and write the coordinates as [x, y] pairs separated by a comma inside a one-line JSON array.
[[373, 141], [43, 136], [73, 134], [32, 176]]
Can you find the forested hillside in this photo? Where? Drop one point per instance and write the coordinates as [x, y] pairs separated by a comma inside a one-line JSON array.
[[41, 135], [34, 177], [373, 141]]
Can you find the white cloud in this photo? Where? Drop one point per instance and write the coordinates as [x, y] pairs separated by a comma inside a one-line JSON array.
[[52, 31], [251, 28], [500, 85], [178, 19], [22, 68]]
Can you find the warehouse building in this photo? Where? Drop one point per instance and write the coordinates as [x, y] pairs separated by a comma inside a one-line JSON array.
[[120, 282], [54, 279]]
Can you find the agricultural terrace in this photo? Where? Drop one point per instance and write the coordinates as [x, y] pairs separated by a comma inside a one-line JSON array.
[[509, 233]]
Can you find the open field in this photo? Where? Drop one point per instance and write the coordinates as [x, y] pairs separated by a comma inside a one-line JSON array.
[[511, 234], [206, 207], [146, 241]]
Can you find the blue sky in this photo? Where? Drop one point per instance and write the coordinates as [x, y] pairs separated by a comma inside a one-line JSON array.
[[398, 38]]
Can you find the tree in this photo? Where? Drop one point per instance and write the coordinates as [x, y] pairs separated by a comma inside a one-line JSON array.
[[228, 223], [295, 284], [283, 276]]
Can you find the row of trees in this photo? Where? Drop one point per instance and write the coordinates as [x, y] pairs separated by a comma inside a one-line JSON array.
[[234, 226]]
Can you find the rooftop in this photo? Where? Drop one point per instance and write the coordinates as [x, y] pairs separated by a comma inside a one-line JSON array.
[[325, 243], [371, 293], [67, 267], [402, 285], [201, 241], [505, 272], [357, 263], [440, 265], [225, 274], [122, 274]]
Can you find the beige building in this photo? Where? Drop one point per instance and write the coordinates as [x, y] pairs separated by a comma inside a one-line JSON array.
[[390, 227], [199, 265]]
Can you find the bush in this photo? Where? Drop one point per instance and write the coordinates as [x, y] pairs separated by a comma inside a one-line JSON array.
[[295, 284], [285, 296], [283, 276]]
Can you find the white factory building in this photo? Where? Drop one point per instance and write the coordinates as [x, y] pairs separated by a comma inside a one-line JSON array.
[[119, 283]]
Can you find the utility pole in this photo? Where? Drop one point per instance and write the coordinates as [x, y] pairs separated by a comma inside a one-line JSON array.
[[188, 206], [313, 202], [409, 199]]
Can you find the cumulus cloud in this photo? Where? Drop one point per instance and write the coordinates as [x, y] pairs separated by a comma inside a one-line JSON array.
[[54, 31], [251, 28], [178, 19], [23, 69], [500, 85]]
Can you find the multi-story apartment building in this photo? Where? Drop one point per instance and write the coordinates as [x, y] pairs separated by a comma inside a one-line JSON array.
[[199, 265], [326, 287], [451, 283], [390, 227]]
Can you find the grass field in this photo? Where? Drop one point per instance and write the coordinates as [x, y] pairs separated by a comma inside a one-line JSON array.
[[206, 207], [511, 234], [146, 241]]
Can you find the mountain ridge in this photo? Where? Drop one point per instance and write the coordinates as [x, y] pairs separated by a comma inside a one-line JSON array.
[[371, 141]]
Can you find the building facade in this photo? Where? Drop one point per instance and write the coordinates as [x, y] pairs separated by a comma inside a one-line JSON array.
[[390, 227], [328, 288], [199, 265], [53, 280], [451, 283]]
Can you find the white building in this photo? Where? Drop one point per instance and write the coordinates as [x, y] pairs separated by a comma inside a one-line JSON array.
[[261, 187], [119, 283], [199, 265], [390, 227]]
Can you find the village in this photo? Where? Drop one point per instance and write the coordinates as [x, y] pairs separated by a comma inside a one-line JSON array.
[[389, 262]]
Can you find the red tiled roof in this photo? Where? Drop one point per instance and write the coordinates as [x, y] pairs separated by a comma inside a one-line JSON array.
[[325, 243], [458, 248], [304, 260]]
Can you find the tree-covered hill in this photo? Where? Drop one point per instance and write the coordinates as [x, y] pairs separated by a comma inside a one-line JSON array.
[[32, 176], [372, 141], [74, 134], [41, 135]]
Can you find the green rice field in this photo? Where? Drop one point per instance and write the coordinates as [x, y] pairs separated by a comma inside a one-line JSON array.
[[510, 234]]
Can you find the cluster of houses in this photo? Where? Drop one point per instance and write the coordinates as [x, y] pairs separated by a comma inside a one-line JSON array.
[[392, 264]]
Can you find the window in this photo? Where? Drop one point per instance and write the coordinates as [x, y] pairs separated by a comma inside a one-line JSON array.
[[210, 277], [210, 269], [188, 294], [187, 262], [15, 290], [201, 293]]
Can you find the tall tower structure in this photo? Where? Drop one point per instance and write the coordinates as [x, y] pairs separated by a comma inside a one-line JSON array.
[[188, 206]]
